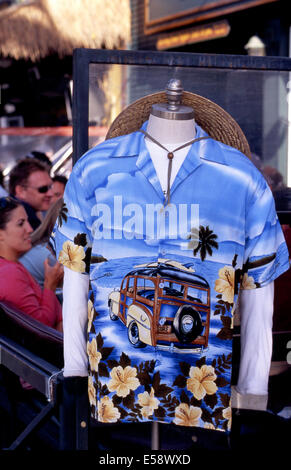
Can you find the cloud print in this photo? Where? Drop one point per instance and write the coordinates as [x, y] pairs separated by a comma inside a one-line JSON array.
[[118, 183]]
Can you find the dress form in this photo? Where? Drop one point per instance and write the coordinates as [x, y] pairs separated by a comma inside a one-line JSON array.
[[172, 125], [171, 134], [172, 130]]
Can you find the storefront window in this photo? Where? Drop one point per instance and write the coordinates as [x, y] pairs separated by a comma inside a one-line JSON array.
[[256, 99]]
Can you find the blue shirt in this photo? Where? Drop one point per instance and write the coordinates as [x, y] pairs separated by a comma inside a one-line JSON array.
[[33, 261], [164, 280]]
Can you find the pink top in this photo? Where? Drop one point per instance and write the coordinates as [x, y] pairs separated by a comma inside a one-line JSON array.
[[19, 288]]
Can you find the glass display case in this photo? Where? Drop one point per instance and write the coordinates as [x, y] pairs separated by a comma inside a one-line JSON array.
[[255, 91]]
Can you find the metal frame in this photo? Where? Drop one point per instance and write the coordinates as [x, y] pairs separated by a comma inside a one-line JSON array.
[[84, 57], [41, 374], [49, 381]]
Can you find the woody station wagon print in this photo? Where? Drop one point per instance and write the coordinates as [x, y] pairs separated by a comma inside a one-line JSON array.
[[163, 304]]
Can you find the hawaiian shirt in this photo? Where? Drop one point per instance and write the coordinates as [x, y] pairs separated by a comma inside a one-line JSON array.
[[164, 279]]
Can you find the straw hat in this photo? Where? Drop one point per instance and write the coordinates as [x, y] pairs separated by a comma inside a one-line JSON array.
[[208, 115]]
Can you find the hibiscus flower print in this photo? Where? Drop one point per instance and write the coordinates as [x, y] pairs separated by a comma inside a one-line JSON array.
[[72, 256], [90, 314], [107, 413], [201, 381], [225, 284], [186, 415], [123, 380], [148, 402], [248, 282], [94, 355]]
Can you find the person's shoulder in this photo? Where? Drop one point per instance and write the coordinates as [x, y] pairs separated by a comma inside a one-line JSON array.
[[37, 253], [6, 265], [9, 271]]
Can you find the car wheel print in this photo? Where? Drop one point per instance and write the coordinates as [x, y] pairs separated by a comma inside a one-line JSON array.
[[133, 335], [187, 324]]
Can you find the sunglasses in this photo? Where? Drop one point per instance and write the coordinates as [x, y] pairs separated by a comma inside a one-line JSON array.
[[41, 189]]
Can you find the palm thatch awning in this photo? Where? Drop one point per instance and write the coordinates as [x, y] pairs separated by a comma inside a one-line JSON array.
[[36, 29]]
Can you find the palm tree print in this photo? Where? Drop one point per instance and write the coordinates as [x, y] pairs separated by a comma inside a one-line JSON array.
[[203, 241], [63, 214]]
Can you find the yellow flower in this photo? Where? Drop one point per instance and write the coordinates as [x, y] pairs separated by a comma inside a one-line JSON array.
[[186, 415], [94, 355], [148, 402], [225, 284], [72, 256], [90, 314], [201, 381], [107, 413], [91, 391], [226, 413], [123, 380], [248, 282]]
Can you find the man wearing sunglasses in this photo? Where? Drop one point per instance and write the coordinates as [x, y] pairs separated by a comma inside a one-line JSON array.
[[31, 184]]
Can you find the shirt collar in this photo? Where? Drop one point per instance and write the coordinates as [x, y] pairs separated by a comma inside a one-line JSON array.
[[145, 164], [200, 151], [133, 145], [209, 149]]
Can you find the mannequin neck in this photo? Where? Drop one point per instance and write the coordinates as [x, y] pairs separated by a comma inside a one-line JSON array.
[[170, 131], [171, 134]]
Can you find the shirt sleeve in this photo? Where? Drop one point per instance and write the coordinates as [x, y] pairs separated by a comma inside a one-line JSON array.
[[266, 254], [37, 303], [72, 241], [71, 237], [256, 313], [75, 323]]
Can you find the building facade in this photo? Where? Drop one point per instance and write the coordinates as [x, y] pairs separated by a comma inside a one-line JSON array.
[[216, 27]]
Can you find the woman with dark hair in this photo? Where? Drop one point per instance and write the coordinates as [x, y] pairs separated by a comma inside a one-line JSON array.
[[17, 286]]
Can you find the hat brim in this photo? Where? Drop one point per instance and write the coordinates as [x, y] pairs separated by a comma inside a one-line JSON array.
[[212, 118]]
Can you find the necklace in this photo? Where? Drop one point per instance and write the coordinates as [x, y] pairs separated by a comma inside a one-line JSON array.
[[170, 155]]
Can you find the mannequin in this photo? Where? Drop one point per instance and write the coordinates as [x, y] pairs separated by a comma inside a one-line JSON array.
[[173, 125], [172, 134], [256, 305], [135, 205]]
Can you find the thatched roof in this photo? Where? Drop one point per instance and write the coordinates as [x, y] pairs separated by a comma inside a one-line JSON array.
[[35, 29]]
